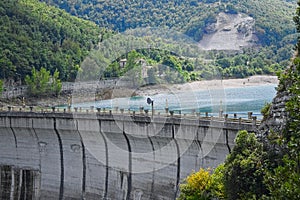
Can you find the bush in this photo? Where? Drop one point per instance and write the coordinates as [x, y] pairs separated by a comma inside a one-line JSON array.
[[203, 185], [265, 111]]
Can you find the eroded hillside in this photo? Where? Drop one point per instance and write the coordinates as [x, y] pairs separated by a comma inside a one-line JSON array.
[[229, 32]]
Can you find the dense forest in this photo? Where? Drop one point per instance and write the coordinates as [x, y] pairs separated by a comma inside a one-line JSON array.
[[34, 35]]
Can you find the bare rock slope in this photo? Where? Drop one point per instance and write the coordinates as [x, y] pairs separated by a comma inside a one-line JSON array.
[[230, 32]]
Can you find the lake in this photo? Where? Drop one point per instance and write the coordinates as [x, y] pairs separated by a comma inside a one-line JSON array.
[[231, 100]]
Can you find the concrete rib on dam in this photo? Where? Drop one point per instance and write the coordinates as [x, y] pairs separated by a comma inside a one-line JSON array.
[[106, 156]]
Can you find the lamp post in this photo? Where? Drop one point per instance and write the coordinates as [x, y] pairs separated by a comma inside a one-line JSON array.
[[150, 101]]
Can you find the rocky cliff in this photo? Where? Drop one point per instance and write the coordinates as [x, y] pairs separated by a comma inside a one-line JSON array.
[[278, 116]]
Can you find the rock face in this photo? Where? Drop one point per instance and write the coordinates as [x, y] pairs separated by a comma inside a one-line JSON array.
[[277, 118], [230, 32]]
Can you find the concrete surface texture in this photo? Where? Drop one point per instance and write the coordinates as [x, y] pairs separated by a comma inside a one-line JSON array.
[[105, 156]]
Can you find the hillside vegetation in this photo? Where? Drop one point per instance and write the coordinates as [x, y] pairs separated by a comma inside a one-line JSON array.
[[273, 17], [35, 35], [273, 27]]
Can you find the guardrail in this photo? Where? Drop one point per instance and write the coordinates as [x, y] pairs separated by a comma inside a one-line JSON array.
[[142, 112]]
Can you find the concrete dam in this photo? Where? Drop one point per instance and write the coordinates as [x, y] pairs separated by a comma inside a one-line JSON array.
[[106, 155]]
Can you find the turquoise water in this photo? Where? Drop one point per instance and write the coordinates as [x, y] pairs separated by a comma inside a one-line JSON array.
[[231, 100]]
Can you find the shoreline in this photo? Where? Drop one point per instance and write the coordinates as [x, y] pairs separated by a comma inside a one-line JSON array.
[[109, 93], [256, 80]]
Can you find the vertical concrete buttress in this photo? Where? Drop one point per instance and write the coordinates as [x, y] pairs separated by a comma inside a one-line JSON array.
[[65, 156]]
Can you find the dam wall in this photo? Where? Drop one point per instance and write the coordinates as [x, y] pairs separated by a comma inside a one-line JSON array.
[[107, 156]]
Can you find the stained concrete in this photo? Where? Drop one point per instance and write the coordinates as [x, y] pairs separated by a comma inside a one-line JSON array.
[[93, 156]]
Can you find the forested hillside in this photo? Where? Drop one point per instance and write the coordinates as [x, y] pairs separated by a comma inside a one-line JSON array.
[[35, 35], [274, 26], [273, 17]]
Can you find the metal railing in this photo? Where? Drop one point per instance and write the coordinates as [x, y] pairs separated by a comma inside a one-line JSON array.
[[142, 112]]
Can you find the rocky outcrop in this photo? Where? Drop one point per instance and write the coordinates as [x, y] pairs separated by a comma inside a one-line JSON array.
[[230, 32], [277, 118]]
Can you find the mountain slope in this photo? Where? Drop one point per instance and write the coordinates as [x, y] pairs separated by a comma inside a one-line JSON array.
[[273, 17], [36, 35], [230, 32], [272, 31]]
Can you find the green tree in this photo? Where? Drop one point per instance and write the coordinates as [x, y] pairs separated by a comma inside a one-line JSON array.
[[224, 62], [172, 62], [243, 169], [55, 85], [218, 187], [37, 82], [41, 83], [284, 181]]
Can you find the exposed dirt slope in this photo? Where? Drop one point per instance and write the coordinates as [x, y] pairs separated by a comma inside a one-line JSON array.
[[230, 32]]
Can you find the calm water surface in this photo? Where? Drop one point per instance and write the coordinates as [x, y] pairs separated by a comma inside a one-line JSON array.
[[231, 100]]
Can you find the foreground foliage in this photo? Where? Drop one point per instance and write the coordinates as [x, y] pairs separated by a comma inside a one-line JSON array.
[[243, 174], [203, 185], [248, 173], [240, 177]]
